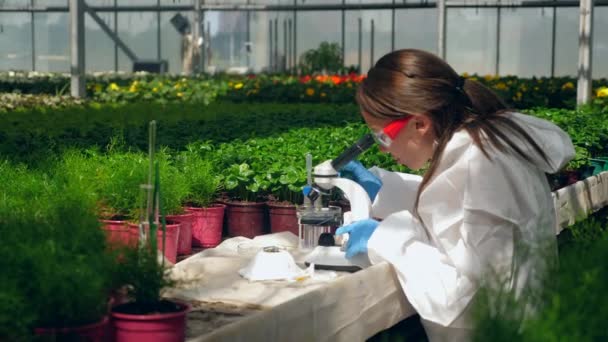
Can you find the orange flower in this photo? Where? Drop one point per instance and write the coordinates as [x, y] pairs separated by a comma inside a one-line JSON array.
[[310, 91], [321, 78], [336, 79]]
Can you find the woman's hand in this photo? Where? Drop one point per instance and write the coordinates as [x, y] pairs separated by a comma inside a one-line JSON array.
[[360, 232], [357, 172]]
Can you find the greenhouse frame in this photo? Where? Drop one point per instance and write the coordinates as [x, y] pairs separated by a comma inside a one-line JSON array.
[[523, 38]]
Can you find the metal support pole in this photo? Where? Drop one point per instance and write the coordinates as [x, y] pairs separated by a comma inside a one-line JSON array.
[[208, 53], [442, 19], [248, 39], [104, 27], [497, 66], [271, 48], [295, 35], [77, 48], [158, 42], [276, 44], [393, 27], [343, 34], [371, 49], [33, 37], [116, 33], [284, 59], [585, 39], [553, 33], [196, 35], [290, 45], [360, 51], [202, 49]]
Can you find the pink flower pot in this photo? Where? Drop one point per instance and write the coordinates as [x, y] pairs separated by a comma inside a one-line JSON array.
[[171, 238], [118, 233], [95, 332], [158, 327], [207, 225], [184, 244]]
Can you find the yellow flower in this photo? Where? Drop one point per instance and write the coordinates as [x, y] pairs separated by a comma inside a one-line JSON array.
[[501, 86], [568, 85], [602, 92], [488, 77], [133, 89], [160, 84], [465, 74], [154, 90], [323, 95], [230, 84], [98, 88], [519, 95], [238, 85], [179, 94], [310, 91], [177, 86], [114, 86]]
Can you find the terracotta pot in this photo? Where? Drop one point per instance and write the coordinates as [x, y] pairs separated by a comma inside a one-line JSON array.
[[157, 327], [184, 243], [207, 225], [283, 217], [171, 238], [118, 233], [95, 332], [245, 219]]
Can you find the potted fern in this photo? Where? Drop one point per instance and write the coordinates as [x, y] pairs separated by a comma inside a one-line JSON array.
[[148, 317], [52, 248], [203, 185]]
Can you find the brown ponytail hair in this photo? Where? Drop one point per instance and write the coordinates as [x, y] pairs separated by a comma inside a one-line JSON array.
[[413, 82]]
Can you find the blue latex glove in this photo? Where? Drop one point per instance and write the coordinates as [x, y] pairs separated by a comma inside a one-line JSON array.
[[360, 232], [357, 172]]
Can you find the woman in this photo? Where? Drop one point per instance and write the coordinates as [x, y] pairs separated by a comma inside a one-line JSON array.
[[481, 215]]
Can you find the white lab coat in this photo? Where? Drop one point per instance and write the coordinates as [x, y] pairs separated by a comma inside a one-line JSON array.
[[476, 213]]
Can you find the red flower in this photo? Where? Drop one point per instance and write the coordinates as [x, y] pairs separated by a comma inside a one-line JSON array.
[[336, 79], [305, 79]]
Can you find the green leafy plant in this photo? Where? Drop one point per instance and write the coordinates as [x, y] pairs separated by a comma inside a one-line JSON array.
[[140, 271], [52, 248], [574, 297], [327, 58]]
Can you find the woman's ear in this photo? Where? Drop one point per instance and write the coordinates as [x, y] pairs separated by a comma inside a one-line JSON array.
[[422, 124]]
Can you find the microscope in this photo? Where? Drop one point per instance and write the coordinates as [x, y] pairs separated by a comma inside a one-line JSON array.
[[316, 219]]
